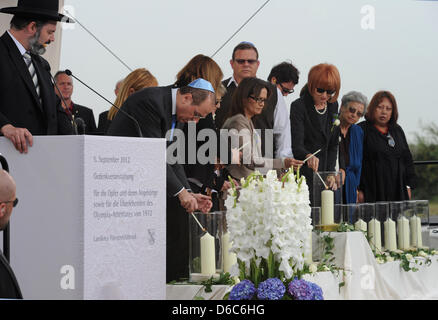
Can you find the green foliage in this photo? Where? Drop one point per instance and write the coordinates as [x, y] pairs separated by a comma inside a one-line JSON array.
[[345, 227], [224, 278], [411, 263], [425, 147]]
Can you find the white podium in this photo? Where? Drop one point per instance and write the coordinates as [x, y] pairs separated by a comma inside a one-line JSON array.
[[91, 217]]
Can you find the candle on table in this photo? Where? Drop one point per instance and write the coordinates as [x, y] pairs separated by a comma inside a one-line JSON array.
[[416, 236], [228, 258], [403, 233], [374, 233], [360, 225], [327, 207], [390, 235], [208, 261]]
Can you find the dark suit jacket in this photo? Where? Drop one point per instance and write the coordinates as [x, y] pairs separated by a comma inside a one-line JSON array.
[[152, 107], [104, 123], [9, 288], [308, 136], [19, 103], [87, 115]]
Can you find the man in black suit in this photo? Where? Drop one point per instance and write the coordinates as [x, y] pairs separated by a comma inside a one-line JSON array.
[[160, 112], [65, 85], [9, 287], [28, 105]]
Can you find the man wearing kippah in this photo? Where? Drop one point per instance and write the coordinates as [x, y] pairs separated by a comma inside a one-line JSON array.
[[160, 112], [28, 105]]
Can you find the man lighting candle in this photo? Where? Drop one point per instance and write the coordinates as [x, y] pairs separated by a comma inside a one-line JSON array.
[[159, 112]]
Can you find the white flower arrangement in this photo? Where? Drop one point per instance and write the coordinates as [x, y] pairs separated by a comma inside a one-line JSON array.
[[269, 223]]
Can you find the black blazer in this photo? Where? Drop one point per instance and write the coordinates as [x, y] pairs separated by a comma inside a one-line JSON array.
[[87, 115], [152, 108], [9, 288], [307, 134], [104, 123], [19, 103]]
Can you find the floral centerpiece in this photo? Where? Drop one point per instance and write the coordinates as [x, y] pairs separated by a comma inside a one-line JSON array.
[[269, 224]]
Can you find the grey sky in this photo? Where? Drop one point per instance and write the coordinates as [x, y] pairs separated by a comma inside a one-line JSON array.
[[399, 55]]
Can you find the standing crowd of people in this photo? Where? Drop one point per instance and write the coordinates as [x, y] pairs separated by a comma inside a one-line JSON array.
[[373, 155]]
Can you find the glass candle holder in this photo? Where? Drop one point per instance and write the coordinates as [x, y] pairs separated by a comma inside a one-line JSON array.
[[350, 212], [382, 212], [423, 211], [317, 245], [327, 191], [410, 212], [228, 258], [337, 215], [396, 208], [205, 245]]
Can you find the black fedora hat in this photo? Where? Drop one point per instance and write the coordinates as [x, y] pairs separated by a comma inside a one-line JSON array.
[[38, 9]]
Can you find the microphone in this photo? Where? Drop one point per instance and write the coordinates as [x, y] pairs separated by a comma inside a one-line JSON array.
[[73, 123], [137, 126], [80, 124]]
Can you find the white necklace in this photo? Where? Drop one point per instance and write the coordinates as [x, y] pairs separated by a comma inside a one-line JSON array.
[[321, 112]]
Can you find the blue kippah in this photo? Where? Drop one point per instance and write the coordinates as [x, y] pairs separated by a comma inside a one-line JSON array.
[[201, 84], [247, 42]]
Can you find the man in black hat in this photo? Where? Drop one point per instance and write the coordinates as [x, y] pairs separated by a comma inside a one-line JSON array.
[[28, 104]]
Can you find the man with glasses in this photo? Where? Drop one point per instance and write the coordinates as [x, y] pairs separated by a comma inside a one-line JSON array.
[[285, 77], [245, 63], [9, 287], [161, 112]]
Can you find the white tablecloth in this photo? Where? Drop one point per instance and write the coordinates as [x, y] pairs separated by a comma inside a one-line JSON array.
[[364, 277]]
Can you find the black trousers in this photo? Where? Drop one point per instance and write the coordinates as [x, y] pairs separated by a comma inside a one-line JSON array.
[[177, 237]]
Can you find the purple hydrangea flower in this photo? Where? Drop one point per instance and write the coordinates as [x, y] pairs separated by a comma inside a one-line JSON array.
[[317, 291], [271, 289], [244, 290], [300, 290]]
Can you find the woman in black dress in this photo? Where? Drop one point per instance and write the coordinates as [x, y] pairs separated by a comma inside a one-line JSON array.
[[387, 169], [312, 119]]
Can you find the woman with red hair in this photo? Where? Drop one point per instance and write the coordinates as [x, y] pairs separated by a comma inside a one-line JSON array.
[[312, 119]]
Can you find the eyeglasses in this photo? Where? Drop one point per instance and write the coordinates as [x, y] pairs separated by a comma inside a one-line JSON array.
[[242, 61], [14, 202], [354, 111], [260, 101], [286, 90], [197, 115], [329, 92]]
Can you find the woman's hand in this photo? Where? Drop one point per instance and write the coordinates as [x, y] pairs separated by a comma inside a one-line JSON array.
[[312, 163], [291, 162], [360, 197]]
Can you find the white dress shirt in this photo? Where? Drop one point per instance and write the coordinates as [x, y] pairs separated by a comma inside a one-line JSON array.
[[282, 135]]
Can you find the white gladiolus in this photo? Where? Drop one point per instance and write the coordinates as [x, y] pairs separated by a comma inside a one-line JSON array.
[[270, 216]]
